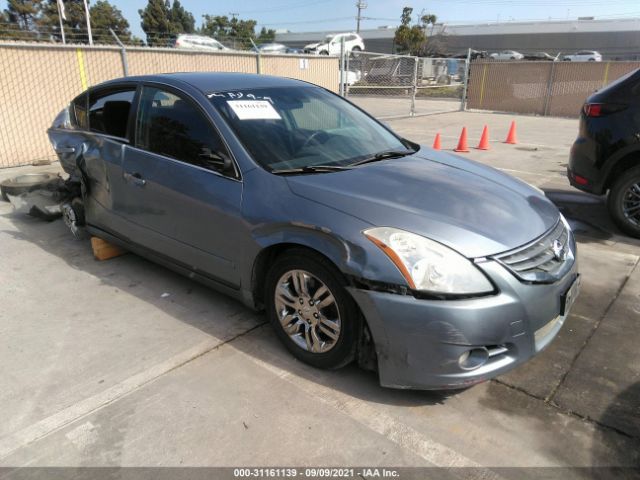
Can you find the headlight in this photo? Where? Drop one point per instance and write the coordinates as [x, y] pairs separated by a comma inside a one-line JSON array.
[[428, 265]]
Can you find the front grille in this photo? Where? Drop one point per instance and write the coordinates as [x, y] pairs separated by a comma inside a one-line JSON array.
[[544, 260]]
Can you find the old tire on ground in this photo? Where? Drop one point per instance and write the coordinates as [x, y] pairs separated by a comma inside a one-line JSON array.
[[311, 311], [624, 202], [27, 182]]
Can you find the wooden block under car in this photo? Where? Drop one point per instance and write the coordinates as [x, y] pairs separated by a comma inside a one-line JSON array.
[[103, 250]]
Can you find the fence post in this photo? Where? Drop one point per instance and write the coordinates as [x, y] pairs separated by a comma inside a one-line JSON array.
[[414, 88], [257, 50], [465, 85], [341, 87], [123, 54], [549, 93], [346, 67]]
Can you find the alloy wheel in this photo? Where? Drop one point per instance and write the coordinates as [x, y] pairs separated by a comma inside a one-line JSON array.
[[307, 311], [631, 204]]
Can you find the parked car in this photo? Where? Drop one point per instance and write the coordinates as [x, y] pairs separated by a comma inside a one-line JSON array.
[[331, 44], [583, 56], [390, 70], [605, 158], [350, 77], [358, 243], [540, 56], [275, 48], [198, 42], [507, 55], [475, 54]]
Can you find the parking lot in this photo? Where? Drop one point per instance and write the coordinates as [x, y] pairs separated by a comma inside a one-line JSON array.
[[124, 363]]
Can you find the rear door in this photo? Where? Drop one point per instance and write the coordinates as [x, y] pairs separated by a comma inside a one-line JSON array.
[[94, 147], [183, 191]]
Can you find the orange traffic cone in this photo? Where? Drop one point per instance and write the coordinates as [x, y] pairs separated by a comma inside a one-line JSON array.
[[462, 143], [437, 143], [511, 137], [484, 139]]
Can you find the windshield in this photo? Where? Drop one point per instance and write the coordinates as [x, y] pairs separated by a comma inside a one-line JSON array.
[[297, 127]]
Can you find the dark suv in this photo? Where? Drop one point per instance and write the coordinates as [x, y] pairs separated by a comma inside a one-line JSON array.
[[606, 155]]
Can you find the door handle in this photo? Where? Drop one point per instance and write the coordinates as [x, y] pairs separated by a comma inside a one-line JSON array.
[[135, 178], [65, 149]]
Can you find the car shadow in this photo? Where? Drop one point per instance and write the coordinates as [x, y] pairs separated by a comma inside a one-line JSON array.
[[623, 416], [199, 307], [588, 216]]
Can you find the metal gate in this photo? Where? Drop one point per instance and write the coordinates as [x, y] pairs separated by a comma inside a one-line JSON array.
[[389, 86]]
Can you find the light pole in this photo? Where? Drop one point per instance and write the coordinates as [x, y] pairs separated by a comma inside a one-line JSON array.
[[361, 5]]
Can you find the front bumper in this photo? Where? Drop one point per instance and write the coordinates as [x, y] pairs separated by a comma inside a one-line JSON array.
[[419, 342]]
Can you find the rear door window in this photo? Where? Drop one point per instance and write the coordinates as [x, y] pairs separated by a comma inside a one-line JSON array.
[[78, 115], [109, 111]]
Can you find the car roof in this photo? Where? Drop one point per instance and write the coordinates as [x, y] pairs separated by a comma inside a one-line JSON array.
[[215, 81]]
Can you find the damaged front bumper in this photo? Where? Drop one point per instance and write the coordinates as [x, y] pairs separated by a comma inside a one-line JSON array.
[[442, 344]]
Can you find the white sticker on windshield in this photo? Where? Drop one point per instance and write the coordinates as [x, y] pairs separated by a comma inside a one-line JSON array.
[[253, 110]]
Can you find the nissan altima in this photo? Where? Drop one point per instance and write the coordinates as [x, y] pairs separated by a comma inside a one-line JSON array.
[[359, 244]]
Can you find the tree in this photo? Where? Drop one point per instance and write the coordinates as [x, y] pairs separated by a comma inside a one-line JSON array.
[[19, 20], [181, 19], [156, 23], [75, 26], [235, 31], [4, 26], [266, 36], [412, 39], [105, 16], [22, 13]]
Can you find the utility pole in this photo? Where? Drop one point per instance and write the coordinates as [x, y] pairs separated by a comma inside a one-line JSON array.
[[361, 5], [233, 15]]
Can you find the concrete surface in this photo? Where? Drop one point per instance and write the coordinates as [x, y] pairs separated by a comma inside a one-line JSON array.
[[99, 367]]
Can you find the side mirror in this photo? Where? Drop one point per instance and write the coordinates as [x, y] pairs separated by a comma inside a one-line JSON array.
[[215, 161]]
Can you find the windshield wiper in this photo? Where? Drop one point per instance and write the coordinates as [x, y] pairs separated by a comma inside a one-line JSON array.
[[383, 156], [310, 169]]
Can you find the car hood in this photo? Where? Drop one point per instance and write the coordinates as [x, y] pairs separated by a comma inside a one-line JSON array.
[[313, 45], [469, 207]]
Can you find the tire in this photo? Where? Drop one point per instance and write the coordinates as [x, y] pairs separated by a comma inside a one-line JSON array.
[[27, 183], [324, 52], [625, 194], [592, 59], [331, 352]]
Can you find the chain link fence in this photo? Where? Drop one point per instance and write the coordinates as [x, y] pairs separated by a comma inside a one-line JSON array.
[[390, 86], [540, 88], [38, 80]]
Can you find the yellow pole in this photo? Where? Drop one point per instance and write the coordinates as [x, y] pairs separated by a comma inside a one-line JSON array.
[[606, 74], [484, 76], [81, 68]]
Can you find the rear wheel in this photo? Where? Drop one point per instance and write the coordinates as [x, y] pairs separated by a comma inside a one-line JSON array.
[[624, 202], [310, 309]]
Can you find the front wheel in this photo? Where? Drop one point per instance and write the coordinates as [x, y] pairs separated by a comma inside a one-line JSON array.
[[311, 311], [624, 202]]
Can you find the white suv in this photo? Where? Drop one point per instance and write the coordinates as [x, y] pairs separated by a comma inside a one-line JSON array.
[[583, 56], [331, 44], [198, 42]]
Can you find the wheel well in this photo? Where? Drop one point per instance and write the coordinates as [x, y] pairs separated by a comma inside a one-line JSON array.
[[265, 258], [625, 163], [365, 353]]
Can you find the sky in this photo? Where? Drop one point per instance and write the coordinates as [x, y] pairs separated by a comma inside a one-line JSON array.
[[339, 15]]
